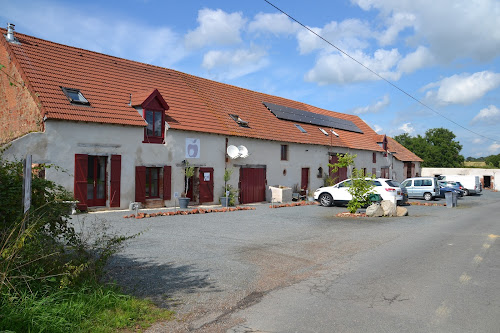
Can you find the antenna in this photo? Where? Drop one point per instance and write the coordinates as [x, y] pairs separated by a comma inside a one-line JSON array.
[[243, 151], [233, 152]]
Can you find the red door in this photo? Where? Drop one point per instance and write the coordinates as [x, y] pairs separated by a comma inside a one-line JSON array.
[[206, 185], [304, 183], [252, 185], [96, 181], [341, 173]]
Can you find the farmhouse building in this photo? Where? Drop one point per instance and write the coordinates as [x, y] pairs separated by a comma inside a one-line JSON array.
[[121, 131]]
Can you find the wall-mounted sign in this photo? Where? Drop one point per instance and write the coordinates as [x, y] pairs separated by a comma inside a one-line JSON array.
[[192, 148], [206, 176]]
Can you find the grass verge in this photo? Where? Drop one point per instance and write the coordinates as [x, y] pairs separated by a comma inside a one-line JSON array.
[[89, 308]]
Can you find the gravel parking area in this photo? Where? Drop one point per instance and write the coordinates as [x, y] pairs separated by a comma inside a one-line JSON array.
[[206, 266]]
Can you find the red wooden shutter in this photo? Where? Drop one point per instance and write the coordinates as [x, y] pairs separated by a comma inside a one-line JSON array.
[[116, 171], [140, 183], [81, 173], [167, 182]]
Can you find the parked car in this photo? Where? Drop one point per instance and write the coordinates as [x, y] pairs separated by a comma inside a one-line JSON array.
[[422, 187], [338, 194], [443, 189], [472, 184], [455, 185]]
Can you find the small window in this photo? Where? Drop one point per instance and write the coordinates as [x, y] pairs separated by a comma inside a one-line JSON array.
[[374, 157], [75, 96], [334, 133], [155, 128], [320, 173], [323, 131], [300, 128], [284, 152], [152, 182], [239, 121]]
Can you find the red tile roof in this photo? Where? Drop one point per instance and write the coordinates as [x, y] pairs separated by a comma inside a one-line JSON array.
[[400, 152], [196, 104]]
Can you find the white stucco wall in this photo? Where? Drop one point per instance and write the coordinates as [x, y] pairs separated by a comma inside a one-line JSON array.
[[62, 140], [493, 173]]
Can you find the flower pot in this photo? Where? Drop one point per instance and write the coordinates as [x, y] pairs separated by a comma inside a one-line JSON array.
[[224, 201], [183, 202]]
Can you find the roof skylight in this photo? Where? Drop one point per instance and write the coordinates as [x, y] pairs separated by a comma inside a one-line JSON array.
[[239, 121], [75, 96], [300, 128], [323, 131], [334, 133]]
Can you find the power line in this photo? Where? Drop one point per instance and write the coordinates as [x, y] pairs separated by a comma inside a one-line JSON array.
[[375, 73]]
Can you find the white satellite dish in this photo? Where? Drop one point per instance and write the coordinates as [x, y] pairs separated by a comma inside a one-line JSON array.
[[243, 151], [233, 152]]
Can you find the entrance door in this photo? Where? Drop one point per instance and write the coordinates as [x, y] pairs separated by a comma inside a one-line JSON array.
[[96, 181], [206, 185], [304, 182], [252, 185], [341, 173]]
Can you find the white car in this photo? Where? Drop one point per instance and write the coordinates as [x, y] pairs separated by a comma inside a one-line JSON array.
[[338, 194]]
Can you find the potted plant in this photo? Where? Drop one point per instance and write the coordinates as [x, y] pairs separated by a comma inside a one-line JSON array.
[[228, 200], [188, 173]]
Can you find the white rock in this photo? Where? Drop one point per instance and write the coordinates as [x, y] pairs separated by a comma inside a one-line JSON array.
[[402, 211], [389, 208], [374, 210]]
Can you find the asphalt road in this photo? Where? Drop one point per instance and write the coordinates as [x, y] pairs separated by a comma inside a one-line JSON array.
[[301, 269]]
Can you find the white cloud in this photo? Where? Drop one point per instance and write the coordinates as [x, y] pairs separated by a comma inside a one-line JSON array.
[[462, 88], [494, 148], [120, 37], [377, 128], [216, 27], [373, 108], [397, 23], [339, 69], [278, 24], [422, 57], [349, 34], [227, 65], [407, 128], [451, 28], [491, 115]]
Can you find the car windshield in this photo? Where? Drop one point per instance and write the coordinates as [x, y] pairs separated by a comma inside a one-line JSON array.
[[392, 183]]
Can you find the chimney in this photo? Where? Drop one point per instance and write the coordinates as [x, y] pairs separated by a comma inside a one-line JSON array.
[[10, 34]]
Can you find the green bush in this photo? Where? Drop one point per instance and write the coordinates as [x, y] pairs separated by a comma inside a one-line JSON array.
[[49, 272]]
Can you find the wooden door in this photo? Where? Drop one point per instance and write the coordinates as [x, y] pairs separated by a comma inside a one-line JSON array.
[[206, 185], [252, 185], [341, 173], [304, 179]]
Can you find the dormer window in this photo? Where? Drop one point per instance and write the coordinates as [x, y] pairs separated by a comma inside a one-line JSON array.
[[155, 121], [239, 121], [75, 96], [152, 107]]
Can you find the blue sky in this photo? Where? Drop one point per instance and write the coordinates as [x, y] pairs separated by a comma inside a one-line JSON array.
[[445, 53]]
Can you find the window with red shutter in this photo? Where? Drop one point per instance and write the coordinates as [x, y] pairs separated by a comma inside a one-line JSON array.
[[80, 187], [167, 182], [140, 184]]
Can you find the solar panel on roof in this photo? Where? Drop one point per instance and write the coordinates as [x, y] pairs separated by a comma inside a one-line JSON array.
[[306, 117]]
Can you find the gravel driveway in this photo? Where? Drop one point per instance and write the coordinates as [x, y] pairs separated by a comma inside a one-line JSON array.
[[207, 266]]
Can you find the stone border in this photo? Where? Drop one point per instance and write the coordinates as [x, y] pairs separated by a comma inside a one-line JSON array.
[[188, 212]]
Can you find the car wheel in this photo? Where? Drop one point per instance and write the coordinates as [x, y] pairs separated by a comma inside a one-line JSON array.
[[326, 200], [428, 196], [466, 192]]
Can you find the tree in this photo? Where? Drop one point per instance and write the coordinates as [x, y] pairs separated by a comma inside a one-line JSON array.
[[359, 187], [493, 160], [438, 148]]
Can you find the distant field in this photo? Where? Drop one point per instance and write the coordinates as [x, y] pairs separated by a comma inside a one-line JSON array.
[[475, 164]]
